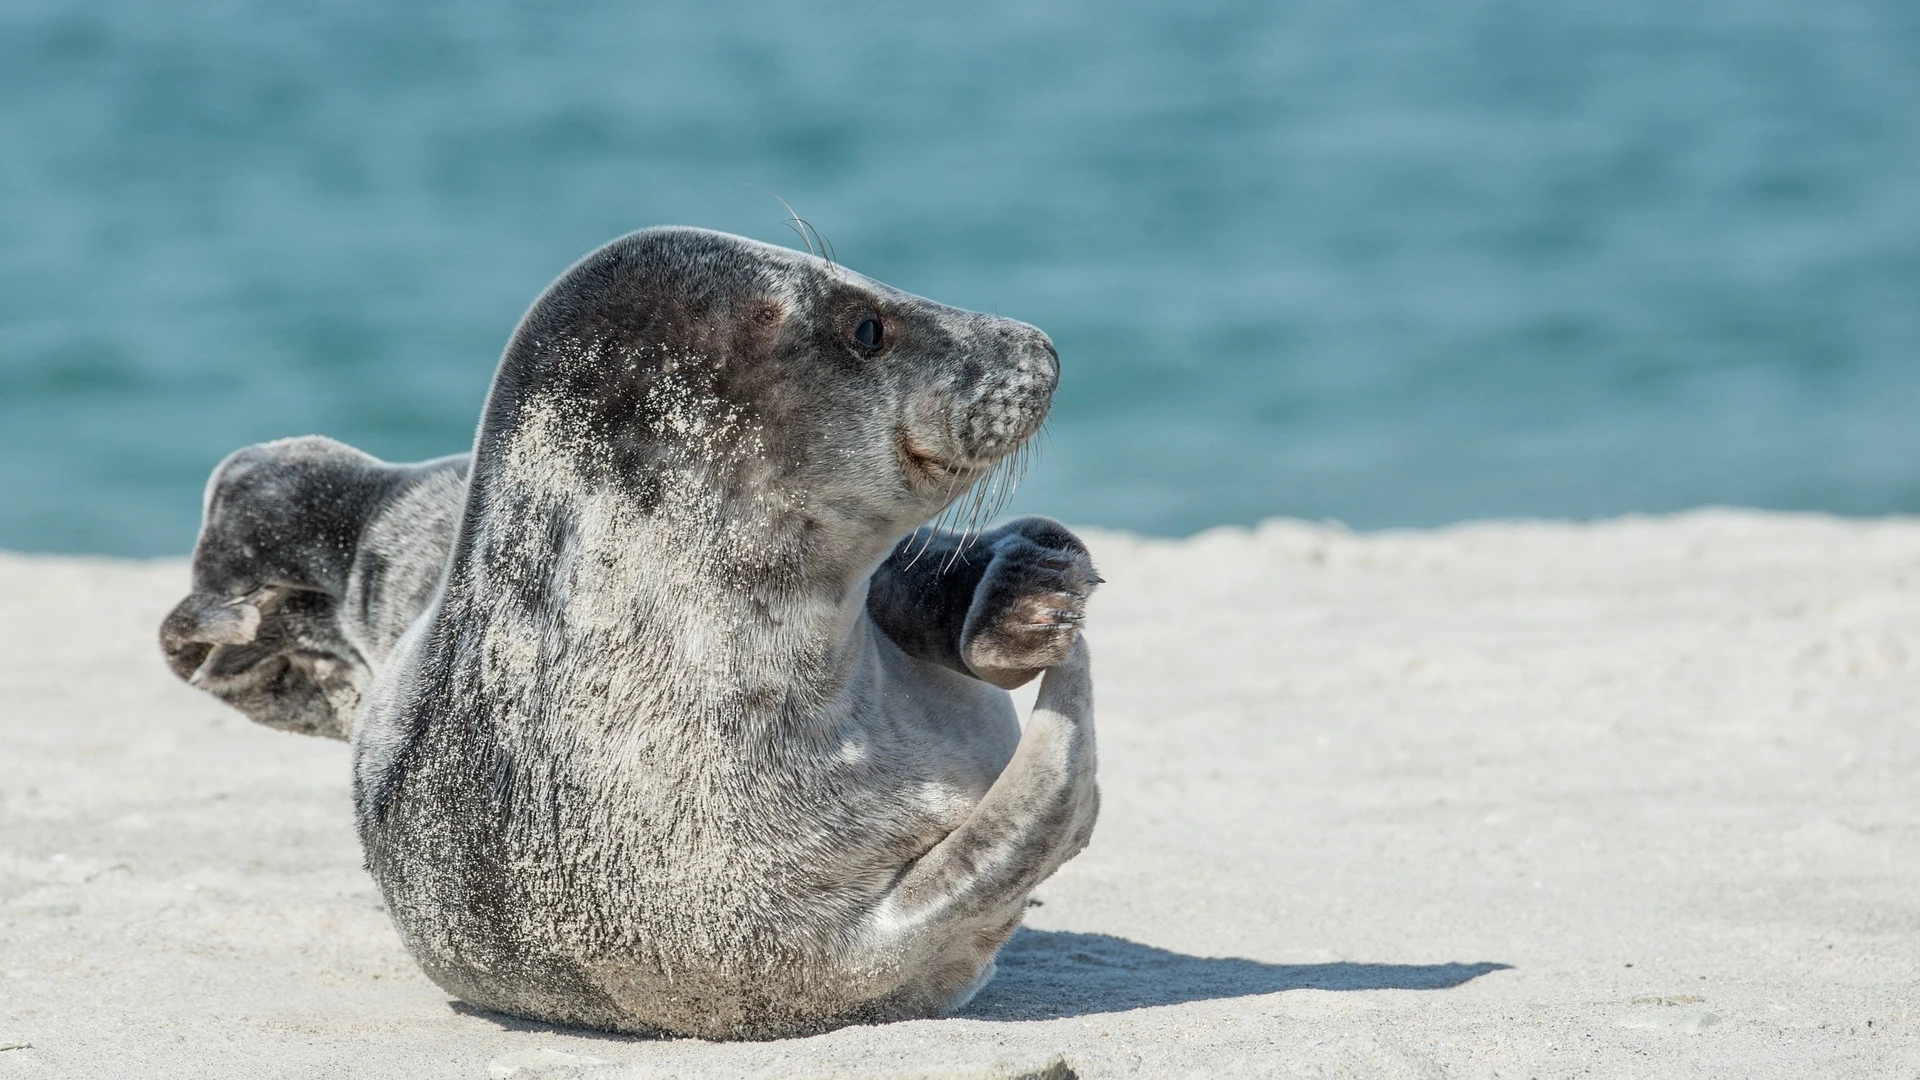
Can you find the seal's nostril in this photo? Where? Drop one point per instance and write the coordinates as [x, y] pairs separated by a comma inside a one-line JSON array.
[[1052, 353]]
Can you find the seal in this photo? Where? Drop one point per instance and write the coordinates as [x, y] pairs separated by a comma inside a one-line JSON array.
[[676, 716]]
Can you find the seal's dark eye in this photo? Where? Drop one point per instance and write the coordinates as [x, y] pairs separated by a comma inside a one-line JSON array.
[[868, 334]]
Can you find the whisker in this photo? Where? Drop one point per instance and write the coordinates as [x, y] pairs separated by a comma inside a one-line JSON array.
[[973, 498], [1016, 472], [826, 246], [815, 233], [1007, 482], [803, 236], [796, 223], [997, 495], [985, 498], [931, 527], [926, 542], [978, 512], [944, 517]]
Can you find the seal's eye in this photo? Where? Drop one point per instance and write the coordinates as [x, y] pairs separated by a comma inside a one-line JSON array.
[[868, 334]]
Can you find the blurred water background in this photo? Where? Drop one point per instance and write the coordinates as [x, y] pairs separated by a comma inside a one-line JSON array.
[[1387, 261]]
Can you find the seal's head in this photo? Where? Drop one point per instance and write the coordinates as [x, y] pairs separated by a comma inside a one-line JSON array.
[[768, 407]]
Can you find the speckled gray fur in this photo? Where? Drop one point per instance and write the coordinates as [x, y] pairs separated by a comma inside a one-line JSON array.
[[669, 721]]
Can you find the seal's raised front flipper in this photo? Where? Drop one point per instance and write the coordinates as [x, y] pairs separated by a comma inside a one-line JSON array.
[[312, 559], [1003, 606]]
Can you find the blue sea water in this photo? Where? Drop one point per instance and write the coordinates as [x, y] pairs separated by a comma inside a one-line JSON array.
[[1388, 261]]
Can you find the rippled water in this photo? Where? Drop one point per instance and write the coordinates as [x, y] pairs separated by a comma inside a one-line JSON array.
[[1390, 262]]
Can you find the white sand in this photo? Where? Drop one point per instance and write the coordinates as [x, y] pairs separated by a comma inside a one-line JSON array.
[[1633, 799]]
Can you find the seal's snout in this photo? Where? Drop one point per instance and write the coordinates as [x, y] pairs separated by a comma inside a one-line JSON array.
[[984, 397], [1013, 393]]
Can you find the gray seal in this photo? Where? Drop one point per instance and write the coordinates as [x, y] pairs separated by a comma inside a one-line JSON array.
[[670, 713]]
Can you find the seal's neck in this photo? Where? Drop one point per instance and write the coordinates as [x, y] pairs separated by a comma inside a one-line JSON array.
[[691, 606]]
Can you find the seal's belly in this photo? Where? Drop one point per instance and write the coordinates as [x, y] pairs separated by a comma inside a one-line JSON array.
[[733, 924]]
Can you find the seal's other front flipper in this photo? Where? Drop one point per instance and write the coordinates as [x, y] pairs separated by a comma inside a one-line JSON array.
[[1002, 608], [972, 886]]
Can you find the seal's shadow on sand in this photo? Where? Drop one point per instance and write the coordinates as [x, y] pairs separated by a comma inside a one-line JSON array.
[[1046, 974]]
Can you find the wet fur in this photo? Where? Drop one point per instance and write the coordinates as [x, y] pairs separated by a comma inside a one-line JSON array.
[[664, 724]]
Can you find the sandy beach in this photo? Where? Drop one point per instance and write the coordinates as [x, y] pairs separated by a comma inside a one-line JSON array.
[[1636, 798]]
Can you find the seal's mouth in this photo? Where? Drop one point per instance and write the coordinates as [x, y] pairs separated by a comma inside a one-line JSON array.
[[970, 491], [923, 464]]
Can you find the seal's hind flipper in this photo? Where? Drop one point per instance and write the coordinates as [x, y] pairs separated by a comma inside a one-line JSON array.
[[276, 655], [263, 628]]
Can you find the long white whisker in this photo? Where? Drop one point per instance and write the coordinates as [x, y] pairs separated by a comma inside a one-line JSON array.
[[972, 498], [974, 507], [944, 517]]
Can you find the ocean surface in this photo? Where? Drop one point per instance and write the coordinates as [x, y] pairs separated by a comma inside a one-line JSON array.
[[1385, 261]]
